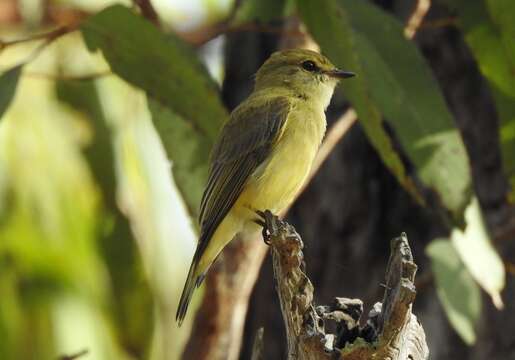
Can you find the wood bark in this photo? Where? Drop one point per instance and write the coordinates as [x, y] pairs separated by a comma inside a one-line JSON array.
[[391, 330]]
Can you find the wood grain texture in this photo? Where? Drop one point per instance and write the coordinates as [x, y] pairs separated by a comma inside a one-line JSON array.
[[391, 331]]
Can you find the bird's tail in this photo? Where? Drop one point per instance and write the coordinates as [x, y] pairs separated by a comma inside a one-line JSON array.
[[193, 281], [207, 251]]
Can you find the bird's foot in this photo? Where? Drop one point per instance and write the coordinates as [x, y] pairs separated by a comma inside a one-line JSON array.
[[269, 222]]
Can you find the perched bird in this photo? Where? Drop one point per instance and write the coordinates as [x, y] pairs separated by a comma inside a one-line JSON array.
[[264, 153]]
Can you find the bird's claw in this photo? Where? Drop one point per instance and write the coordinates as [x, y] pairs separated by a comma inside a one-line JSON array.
[[268, 221]]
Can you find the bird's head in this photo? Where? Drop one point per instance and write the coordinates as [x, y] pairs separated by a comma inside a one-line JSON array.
[[304, 71]]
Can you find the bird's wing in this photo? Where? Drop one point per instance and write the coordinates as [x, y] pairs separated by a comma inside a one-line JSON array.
[[245, 142]]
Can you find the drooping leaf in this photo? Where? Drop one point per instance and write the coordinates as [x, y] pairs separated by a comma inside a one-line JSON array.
[[176, 83], [395, 82], [8, 82], [53, 196], [479, 256], [489, 30], [456, 289]]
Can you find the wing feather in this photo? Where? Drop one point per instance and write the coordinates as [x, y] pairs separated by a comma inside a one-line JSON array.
[[245, 142]]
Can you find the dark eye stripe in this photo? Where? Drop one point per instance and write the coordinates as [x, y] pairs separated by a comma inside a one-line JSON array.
[[310, 66]]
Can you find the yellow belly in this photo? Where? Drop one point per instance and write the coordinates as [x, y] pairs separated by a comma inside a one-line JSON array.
[[276, 183]]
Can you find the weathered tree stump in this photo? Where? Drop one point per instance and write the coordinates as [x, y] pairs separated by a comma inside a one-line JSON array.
[[391, 331]]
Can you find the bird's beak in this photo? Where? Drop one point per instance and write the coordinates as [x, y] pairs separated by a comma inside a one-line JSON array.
[[340, 74]]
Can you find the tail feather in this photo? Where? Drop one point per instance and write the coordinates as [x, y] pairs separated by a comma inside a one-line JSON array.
[[187, 293], [200, 265]]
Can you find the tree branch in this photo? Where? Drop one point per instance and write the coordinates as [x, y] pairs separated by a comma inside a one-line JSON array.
[[148, 11], [391, 330], [416, 18], [66, 77], [47, 36], [257, 348], [74, 356]]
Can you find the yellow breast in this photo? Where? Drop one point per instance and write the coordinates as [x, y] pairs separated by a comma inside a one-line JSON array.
[[277, 181]]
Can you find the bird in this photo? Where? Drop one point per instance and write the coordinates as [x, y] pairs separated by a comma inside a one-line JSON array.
[[263, 154]]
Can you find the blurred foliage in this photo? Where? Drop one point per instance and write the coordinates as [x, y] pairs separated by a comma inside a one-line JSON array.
[[49, 226], [489, 30], [262, 11], [94, 237], [131, 295]]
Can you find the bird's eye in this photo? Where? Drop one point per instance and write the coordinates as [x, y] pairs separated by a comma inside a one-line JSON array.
[[309, 66]]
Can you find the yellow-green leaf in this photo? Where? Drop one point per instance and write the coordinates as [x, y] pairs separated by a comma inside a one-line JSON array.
[[479, 256], [456, 289]]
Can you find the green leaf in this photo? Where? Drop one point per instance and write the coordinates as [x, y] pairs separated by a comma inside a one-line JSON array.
[[189, 150], [488, 34], [505, 105], [475, 249], [8, 82], [163, 66], [456, 289], [395, 82], [263, 11], [187, 110], [489, 30], [500, 20]]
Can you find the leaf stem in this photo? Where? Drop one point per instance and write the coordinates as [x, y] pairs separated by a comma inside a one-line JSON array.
[[48, 36]]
